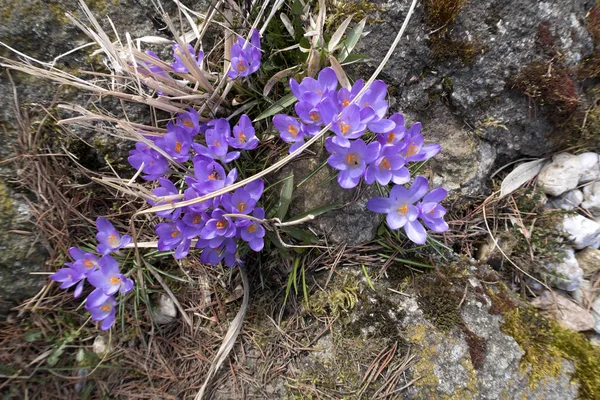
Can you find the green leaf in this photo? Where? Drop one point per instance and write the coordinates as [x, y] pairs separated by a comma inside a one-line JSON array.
[[32, 336], [297, 7], [304, 287], [352, 39], [285, 197], [58, 351], [337, 35], [277, 107], [299, 234], [318, 211]]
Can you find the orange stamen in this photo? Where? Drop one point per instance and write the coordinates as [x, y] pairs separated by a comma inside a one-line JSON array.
[[345, 102], [105, 308], [412, 150], [241, 206], [402, 210], [197, 219], [112, 239], [242, 137], [252, 228], [188, 123], [314, 116], [221, 224], [177, 147], [114, 280], [292, 129], [385, 164], [175, 234], [88, 263], [213, 176], [352, 159], [216, 143], [240, 66], [391, 137], [344, 127]]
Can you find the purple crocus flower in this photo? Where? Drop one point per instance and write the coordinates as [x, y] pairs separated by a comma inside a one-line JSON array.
[[347, 125], [395, 135], [217, 228], [431, 212], [194, 223], [216, 147], [109, 278], [244, 136], [68, 277], [84, 262], [253, 232], [389, 166], [210, 176], [352, 160], [166, 188], [255, 189], [189, 121], [400, 208], [240, 202], [213, 256], [245, 57], [312, 90], [414, 150], [176, 143], [155, 165], [291, 131], [109, 238], [154, 69], [178, 65], [103, 311], [374, 98], [171, 237], [345, 96], [190, 194]]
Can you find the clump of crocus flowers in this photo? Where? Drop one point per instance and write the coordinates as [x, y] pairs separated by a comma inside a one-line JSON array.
[[384, 160], [101, 270]]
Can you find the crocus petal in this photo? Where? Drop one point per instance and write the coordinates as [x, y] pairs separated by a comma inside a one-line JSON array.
[[395, 220], [78, 289], [328, 79], [96, 298], [418, 189], [99, 280], [108, 321], [415, 232], [380, 205], [435, 196], [346, 181], [382, 126]]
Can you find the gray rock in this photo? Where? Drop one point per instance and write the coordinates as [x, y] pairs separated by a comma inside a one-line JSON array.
[[589, 260], [591, 198], [590, 162], [566, 201], [353, 223], [582, 231], [562, 174], [164, 310], [20, 251], [567, 313], [566, 274]]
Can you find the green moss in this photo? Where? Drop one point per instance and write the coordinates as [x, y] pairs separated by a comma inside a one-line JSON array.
[[339, 10], [338, 300], [546, 344], [441, 12], [548, 85], [439, 294]]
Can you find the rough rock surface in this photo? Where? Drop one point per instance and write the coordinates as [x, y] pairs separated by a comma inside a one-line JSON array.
[[352, 222], [566, 274], [20, 251], [567, 201], [582, 231], [473, 359], [501, 123], [591, 198], [589, 260], [561, 175]]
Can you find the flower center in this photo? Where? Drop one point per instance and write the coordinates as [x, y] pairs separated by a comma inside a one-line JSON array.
[[385, 164], [252, 228], [412, 150], [344, 127], [188, 123], [216, 143], [241, 206], [391, 137], [175, 234], [197, 219], [366, 104], [214, 176], [352, 159], [69, 277], [240, 66], [221, 224], [402, 210], [345, 102], [88, 263], [292, 129], [112, 239], [177, 147], [242, 137], [314, 116], [114, 280], [105, 307]]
